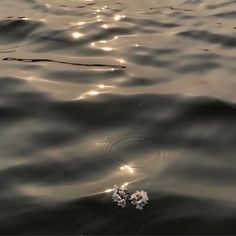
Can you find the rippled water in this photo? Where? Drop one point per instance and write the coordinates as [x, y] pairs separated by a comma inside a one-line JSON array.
[[89, 86]]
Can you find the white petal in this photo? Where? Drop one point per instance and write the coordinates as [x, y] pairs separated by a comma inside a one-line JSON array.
[[116, 197], [122, 203]]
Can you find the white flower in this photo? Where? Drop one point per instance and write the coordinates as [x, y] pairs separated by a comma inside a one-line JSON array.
[[144, 196], [134, 198], [140, 199], [120, 195], [122, 203], [116, 197]]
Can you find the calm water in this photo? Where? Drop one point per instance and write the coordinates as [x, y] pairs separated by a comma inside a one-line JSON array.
[[89, 86]]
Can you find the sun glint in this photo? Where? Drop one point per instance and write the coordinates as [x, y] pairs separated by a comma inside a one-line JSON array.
[[76, 35], [127, 168]]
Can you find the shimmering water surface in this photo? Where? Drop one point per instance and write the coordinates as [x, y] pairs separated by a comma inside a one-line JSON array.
[[95, 93]]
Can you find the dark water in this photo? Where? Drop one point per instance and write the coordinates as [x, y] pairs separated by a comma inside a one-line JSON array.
[[88, 86]]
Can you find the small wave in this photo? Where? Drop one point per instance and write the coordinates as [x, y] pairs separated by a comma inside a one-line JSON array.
[[17, 30], [224, 40]]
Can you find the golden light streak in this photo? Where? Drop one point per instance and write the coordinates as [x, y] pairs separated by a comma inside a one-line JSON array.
[[107, 49], [128, 169]]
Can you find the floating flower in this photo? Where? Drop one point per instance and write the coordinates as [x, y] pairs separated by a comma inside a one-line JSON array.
[[116, 197], [122, 203], [140, 199], [120, 195]]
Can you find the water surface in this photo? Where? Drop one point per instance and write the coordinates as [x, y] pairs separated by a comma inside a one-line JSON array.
[[89, 86]]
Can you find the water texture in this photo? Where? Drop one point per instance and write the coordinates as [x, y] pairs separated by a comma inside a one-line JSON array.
[[89, 86]]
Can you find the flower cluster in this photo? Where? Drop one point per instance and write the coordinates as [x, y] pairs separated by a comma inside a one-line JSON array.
[[121, 195], [140, 199]]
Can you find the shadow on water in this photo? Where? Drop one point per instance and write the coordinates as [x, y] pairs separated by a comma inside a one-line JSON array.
[[97, 215], [17, 30]]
